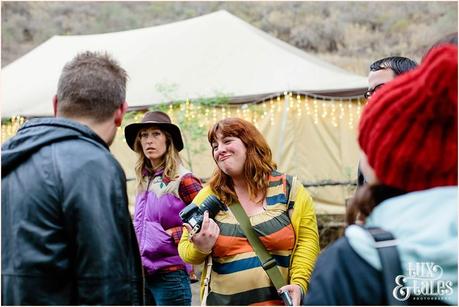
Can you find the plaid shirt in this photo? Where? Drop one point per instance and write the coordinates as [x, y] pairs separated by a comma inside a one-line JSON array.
[[188, 189]]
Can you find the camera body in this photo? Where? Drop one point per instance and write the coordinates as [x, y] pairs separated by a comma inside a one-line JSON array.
[[194, 215]]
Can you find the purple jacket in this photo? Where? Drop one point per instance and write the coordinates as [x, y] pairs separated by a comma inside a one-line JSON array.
[[157, 209]]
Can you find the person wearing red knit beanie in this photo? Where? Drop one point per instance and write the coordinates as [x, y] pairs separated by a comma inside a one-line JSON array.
[[401, 243], [409, 131]]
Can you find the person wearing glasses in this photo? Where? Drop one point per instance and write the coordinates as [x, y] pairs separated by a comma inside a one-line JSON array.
[[385, 70], [409, 156], [381, 72]]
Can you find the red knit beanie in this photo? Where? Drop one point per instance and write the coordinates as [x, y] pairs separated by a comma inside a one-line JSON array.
[[408, 130]]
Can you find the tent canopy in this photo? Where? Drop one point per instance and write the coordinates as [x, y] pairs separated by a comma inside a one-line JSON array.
[[213, 55]]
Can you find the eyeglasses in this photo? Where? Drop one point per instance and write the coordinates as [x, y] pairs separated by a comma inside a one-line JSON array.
[[370, 91]]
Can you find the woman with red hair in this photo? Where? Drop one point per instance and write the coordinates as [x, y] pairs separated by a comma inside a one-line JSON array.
[[279, 209]]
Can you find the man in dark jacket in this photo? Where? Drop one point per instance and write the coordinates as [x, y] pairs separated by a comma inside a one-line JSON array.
[[67, 236]]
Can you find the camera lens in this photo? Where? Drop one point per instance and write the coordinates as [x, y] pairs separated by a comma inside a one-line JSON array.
[[194, 215], [212, 204]]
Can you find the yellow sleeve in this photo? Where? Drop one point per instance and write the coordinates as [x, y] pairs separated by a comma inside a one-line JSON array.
[[307, 247], [186, 249]]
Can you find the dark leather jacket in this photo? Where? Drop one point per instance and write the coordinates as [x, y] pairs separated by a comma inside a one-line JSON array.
[[67, 235]]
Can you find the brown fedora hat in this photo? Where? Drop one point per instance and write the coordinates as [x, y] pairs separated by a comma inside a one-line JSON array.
[[156, 118]]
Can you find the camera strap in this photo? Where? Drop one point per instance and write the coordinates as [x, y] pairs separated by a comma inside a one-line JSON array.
[[267, 261], [386, 245]]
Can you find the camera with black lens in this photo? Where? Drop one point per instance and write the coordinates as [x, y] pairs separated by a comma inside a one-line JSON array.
[[194, 215]]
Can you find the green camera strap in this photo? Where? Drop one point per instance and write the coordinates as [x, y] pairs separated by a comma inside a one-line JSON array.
[[267, 261]]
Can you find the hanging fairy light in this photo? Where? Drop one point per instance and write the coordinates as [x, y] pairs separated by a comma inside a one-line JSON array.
[[333, 115], [299, 108], [214, 115], [170, 112], [187, 109], [288, 101], [279, 107], [192, 112], [306, 102], [358, 110], [244, 111], [351, 115], [291, 102], [324, 109], [206, 116], [341, 108], [265, 109], [254, 118], [271, 107], [331, 111], [316, 111], [238, 112]]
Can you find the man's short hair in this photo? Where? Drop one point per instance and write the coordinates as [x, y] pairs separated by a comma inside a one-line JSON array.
[[398, 64], [91, 85]]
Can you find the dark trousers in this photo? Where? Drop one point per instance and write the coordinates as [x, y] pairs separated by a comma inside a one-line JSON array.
[[168, 289]]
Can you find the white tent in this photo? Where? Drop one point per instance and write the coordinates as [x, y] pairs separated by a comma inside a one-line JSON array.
[[207, 56], [215, 55]]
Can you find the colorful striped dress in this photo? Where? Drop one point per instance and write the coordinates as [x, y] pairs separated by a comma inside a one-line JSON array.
[[237, 277]]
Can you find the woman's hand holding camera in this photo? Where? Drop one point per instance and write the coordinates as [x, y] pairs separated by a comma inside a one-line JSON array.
[[205, 239]]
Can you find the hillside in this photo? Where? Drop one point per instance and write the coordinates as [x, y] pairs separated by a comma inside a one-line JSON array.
[[348, 34]]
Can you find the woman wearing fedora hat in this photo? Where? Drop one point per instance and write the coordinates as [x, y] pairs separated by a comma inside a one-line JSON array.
[[164, 187]]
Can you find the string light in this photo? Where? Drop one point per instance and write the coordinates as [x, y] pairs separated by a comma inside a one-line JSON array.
[[290, 102], [308, 109], [238, 113], [351, 115], [265, 109], [204, 116], [316, 111], [299, 108], [214, 115], [324, 109], [333, 115], [341, 107], [279, 108], [358, 110]]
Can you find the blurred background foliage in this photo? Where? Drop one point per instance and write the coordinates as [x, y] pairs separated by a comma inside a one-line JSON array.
[[347, 34]]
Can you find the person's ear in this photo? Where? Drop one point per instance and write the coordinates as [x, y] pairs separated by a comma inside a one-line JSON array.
[[119, 113], [55, 105]]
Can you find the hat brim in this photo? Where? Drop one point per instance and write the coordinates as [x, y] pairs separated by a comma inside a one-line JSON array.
[[131, 131]]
